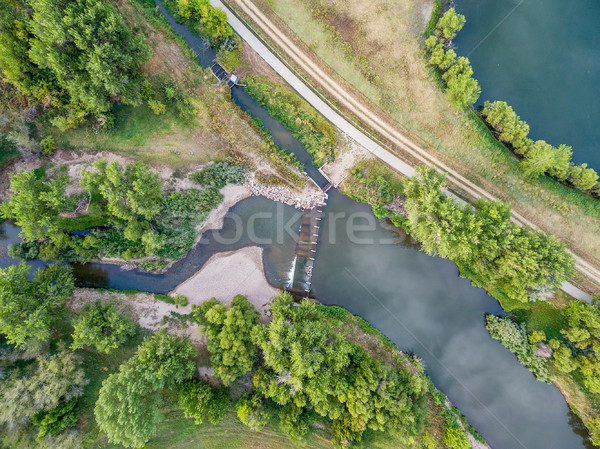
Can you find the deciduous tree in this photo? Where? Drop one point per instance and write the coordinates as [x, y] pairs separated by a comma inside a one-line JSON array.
[[102, 326], [28, 308]]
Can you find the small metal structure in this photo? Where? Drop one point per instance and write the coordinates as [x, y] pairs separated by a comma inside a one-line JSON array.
[[222, 75]]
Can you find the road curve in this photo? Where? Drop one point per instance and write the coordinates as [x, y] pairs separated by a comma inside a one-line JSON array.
[[354, 130]]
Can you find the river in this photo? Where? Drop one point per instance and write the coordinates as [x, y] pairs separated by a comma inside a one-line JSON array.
[[379, 273], [543, 58]]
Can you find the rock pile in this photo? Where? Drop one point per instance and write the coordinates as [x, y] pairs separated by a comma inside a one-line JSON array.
[[300, 200]]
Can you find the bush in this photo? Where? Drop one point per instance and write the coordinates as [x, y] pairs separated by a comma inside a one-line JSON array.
[[514, 337], [180, 300], [56, 420], [219, 175], [456, 438]]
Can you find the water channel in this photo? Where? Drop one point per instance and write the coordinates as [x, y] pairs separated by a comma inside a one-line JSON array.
[[377, 272]]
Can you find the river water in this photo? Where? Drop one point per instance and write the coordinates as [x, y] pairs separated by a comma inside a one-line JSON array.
[[543, 58], [377, 272]]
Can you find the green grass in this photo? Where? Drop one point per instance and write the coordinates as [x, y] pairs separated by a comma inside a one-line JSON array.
[[96, 217], [134, 127], [542, 316]]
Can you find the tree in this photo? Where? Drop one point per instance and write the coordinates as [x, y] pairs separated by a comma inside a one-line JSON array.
[[127, 407], [228, 334], [90, 51], [582, 177], [101, 326], [130, 192], [438, 55], [584, 326], [563, 357], [562, 162], [464, 90], [54, 379], [449, 24], [28, 309], [35, 203], [252, 411], [506, 123], [456, 438], [539, 158], [510, 261], [215, 23], [198, 399]]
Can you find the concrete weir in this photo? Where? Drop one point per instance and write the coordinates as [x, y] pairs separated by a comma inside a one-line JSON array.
[[306, 250]]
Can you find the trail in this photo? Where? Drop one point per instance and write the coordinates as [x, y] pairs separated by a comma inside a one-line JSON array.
[[361, 111]]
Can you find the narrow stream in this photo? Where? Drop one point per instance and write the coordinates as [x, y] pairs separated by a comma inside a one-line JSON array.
[[418, 301]]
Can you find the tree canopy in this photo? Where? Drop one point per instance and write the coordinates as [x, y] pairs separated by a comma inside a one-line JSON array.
[[28, 308], [129, 192], [35, 203], [307, 367], [127, 409], [102, 326], [76, 55], [510, 261], [50, 381], [228, 332]]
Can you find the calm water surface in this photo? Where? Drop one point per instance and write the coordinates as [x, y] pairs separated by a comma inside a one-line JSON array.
[[543, 58]]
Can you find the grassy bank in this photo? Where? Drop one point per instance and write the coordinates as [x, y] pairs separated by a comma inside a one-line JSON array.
[[388, 36], [314, 132]]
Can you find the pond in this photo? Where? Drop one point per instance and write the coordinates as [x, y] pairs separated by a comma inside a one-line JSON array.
[[543, 58]]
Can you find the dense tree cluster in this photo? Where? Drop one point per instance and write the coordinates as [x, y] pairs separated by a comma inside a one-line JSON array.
[[28, 308], [129, 214], [127, 409], [576, 352], [77, 56], [464, 90], [308, 369], [511, 262], [228, 331], [539, 157]]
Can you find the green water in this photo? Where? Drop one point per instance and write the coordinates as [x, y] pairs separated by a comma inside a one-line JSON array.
[[542, 58]]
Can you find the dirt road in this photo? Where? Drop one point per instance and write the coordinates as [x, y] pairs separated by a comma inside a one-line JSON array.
[[346, 125]]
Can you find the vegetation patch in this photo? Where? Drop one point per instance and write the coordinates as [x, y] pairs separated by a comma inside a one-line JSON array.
[[306, 124]]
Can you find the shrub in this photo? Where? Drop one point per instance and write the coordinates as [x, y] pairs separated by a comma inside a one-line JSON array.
[[181, 300], [514, 337], [456, 438], [56, 420], [219, 175]]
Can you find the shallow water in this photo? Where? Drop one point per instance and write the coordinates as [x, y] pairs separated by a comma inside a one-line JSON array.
[[543, 58]]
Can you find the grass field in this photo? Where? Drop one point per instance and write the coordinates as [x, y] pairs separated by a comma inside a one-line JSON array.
[[376, 50]]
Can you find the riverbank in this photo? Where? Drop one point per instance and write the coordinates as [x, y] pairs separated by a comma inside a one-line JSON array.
[[228, 274], [411, 97]]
